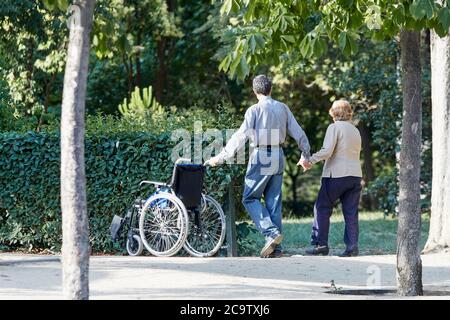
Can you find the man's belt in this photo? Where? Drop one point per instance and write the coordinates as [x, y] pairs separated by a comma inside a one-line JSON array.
[[268, 148]]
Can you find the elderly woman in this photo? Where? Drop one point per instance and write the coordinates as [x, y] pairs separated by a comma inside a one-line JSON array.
[[341, 179]]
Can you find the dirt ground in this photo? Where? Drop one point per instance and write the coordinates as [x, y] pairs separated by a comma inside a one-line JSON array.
[[25, 276]]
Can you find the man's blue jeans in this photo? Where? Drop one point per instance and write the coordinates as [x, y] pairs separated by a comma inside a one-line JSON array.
[[264, 178]]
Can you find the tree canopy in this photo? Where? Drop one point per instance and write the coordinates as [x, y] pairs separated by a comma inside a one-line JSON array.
[[262, 31]]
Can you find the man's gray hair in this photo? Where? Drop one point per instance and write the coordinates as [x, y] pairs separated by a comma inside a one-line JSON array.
[[262, 85]]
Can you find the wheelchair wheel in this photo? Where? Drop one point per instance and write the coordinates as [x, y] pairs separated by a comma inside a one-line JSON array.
[[163, 224], [206, 229], [135, 246]]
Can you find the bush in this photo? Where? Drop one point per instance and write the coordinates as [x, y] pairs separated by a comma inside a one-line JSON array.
[[246, 244], [30, 214], [385, 189]]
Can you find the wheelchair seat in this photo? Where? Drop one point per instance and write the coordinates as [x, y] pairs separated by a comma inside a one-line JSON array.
[[187, 183]]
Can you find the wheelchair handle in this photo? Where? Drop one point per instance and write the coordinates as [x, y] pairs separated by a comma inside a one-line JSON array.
[[180, 160]]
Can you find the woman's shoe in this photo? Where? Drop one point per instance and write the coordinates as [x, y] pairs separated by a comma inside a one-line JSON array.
[[318, 250]]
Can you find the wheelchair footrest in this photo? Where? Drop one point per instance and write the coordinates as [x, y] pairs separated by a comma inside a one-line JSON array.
[[116, 227]]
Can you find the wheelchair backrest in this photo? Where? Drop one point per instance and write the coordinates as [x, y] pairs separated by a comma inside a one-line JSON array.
[[187, 183]]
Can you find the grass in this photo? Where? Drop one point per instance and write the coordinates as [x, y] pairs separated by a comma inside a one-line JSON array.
[[377, 234]]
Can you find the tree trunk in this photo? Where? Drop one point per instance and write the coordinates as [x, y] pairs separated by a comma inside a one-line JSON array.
[[30, 72], [48, 88], [367, 152], [439, 235], [75, 247], [129, 77], [293, 178], [294, 189], [369, 174], [163, 45], [138, 61], [161, 73], [409, 264]]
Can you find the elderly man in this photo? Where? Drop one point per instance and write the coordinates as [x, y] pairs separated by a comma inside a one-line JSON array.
[[266, 125]]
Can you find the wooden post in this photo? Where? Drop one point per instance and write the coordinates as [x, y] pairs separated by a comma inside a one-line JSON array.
[[230, 215]]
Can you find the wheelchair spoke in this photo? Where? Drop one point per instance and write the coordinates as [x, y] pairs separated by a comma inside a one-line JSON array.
[[206, 229], [163, 225]]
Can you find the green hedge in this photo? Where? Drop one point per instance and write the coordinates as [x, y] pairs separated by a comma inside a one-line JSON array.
[[30, 214]]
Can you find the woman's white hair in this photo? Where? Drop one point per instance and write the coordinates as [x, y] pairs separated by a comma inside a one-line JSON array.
[[341, 110]]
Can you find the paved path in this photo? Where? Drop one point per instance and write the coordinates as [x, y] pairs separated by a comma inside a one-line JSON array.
[[296, 277]]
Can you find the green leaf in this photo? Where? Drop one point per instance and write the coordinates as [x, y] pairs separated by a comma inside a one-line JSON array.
[[235, 64], [243, 69], [316, 48], [63, 5], [289, 38], [50, 4], [226, 7], [290, 20], [347, 43], [252, 43], [412, 23], [441, 32], [444, 17], [276, 24], [235, 6], [260, 41], [353, 45], [319, 47], [346, 3], [421, 8], [304, 46], [342, 40], [356, 20], [108, 28], [398, 14], [229, 6], [284, 24], [225, 64], [250, 12]]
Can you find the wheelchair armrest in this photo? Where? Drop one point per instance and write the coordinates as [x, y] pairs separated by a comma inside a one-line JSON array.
[[155, 183]]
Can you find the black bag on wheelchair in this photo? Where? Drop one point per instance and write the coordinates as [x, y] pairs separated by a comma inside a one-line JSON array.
[[116, 227]]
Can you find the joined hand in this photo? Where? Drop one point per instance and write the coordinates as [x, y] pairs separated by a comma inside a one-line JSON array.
[[306, 165]]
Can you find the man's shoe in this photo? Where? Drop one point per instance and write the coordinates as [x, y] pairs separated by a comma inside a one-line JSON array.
[[318, 250], [275, 254], [270, 245], [349, 253]]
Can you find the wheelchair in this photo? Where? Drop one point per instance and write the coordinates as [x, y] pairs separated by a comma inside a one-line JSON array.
[[178, 214]]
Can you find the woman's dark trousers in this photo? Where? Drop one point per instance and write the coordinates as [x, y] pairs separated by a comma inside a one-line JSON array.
[[348, 191]]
